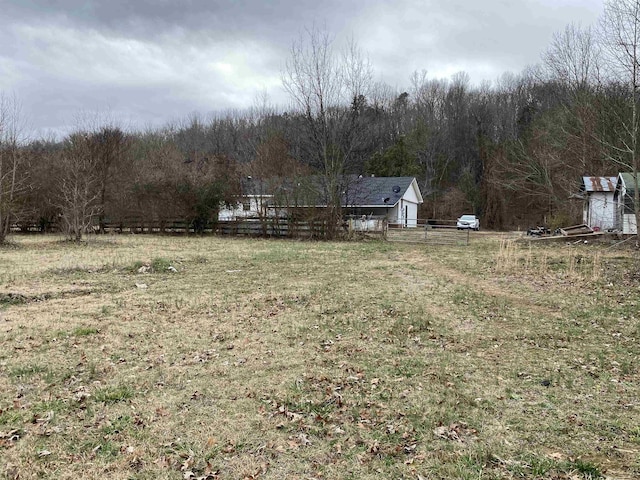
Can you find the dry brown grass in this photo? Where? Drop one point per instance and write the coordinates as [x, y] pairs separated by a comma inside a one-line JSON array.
[[277, 359]]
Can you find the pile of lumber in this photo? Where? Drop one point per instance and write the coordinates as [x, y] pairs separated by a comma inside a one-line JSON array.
[[581, 229]]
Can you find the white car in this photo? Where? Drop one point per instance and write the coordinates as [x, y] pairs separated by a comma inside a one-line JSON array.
[[468, 221]]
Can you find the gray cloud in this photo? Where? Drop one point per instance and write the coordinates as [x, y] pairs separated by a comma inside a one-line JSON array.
[[149, 61], [484, 39]]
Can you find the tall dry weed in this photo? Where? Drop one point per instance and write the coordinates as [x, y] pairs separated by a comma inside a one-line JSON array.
[[513, 259], [507, 260]]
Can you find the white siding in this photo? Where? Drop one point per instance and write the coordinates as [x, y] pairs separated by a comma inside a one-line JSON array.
[[629, 224], [412, 214], [406, 211], [601, 210], [250, 206], [404, 214], [410, 195]]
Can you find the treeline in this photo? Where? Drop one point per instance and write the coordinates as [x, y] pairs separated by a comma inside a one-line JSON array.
[[512, 152]]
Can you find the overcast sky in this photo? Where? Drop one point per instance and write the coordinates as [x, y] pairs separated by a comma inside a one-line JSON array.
[[147, 62]]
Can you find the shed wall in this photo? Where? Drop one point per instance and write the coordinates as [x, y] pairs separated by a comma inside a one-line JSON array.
[[600, 211]]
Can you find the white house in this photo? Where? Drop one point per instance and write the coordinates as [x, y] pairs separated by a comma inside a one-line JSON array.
[[626, 219], [599, 210], [254, 201], [394, 198]]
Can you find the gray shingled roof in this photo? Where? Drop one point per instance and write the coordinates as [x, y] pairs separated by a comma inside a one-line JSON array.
[[256, 186], [372, 191], [357, 191]]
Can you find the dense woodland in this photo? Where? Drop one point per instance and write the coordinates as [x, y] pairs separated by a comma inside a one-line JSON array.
[[512, 151]]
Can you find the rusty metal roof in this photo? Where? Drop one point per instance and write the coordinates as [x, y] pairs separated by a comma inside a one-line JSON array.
[[598, 184]]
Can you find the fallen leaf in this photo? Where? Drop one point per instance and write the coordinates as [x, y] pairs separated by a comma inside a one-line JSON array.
[[187, 464], [162, 412], [163, 462], [211, 442]]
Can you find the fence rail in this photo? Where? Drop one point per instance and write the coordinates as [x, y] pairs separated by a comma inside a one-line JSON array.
[[435, 232]]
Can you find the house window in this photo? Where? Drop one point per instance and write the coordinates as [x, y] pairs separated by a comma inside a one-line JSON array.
[[246, 205]]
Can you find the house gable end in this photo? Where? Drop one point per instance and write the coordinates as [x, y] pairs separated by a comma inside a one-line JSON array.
[[412, 193]]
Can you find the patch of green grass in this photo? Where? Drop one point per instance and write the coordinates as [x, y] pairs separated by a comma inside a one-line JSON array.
[[634, 435], [106, 449], [533, 466], [12, 299], [113, 394], [410, 367], [12, 418], [26, 371], [587, 469], [135, 266], [310, 406], [57, 405], [160, 264], [84, 331], [157, 265]]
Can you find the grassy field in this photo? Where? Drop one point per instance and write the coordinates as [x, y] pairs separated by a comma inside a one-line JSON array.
[[143, 357]]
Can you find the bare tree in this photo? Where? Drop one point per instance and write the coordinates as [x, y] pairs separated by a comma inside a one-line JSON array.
[[620, 27], [12, 183], [108, 146], [574, 57], [573, 61], [79, 191], [330, 90]]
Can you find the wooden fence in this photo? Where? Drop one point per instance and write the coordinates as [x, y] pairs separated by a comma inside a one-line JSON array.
[[435, 232], [248, 227]]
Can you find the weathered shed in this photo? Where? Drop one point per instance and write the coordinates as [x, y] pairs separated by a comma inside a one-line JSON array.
[[599, 210]]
